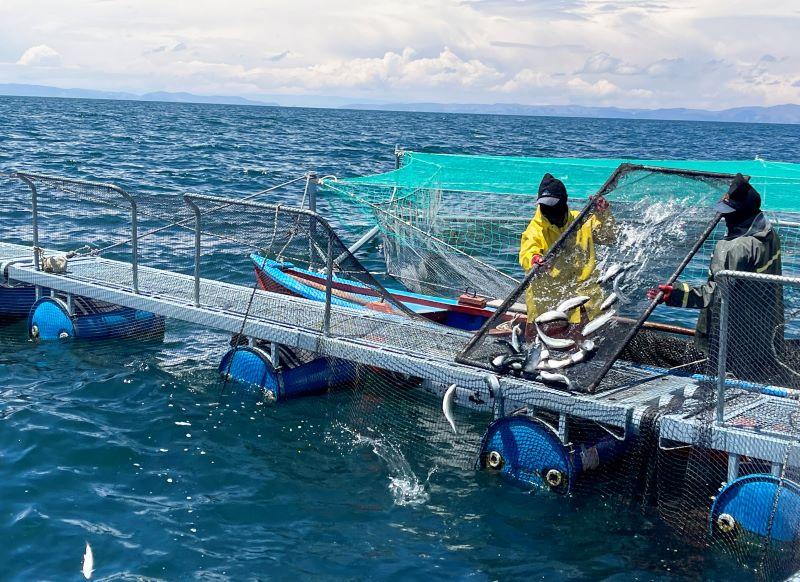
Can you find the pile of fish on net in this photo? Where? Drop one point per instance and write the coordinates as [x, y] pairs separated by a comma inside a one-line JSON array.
[[548, 356]]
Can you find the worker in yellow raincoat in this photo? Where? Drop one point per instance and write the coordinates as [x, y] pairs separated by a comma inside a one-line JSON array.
[[572, 271]]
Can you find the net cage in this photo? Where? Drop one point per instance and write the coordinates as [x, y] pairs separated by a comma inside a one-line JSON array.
[[451, 224], [693, 452]]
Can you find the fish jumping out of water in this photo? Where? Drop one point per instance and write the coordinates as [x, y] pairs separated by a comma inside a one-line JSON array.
[[609, 301], [88, 562], [447, 407], [618, 290]]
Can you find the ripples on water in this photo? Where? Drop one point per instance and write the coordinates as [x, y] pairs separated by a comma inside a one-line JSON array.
[[134, 448]]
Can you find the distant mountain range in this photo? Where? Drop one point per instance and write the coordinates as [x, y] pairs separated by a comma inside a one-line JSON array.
[[776, 114], [18, 90]]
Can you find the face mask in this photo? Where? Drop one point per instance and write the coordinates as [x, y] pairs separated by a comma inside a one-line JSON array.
[[556, 214]]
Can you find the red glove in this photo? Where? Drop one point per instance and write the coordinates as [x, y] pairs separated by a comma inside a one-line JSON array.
[[536, 260], [665, 289], [601, 204]]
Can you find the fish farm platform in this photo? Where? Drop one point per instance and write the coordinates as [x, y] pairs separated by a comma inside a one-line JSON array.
[[298, 322]]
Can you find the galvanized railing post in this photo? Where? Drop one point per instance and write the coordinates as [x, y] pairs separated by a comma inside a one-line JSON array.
[[722, 351], [34, 222], [134, 236], [326, 322], [311, 189], [197, 225]]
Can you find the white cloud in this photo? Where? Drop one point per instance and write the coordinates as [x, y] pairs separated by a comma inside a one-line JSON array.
[[40, 56], [714, 53]]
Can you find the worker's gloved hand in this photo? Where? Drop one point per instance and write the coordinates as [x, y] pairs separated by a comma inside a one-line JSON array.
[[665, 289], [600, 204], [536, 260]]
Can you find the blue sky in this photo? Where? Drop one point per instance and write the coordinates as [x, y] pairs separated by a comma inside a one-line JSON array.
[[639, 53]]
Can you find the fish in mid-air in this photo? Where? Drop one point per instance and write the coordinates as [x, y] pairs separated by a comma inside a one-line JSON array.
[[596, 324], [88, 562], [573, 303], [447, 406]]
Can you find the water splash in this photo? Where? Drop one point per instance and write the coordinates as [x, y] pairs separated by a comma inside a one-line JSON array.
[[406, 488]]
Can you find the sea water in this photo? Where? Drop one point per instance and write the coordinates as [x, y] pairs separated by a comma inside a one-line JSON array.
[[135, 448]]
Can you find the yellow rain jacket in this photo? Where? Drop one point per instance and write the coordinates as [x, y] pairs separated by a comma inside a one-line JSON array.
[[572, 271]]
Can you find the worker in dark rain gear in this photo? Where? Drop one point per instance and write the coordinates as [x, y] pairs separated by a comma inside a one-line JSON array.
[[755, 322]]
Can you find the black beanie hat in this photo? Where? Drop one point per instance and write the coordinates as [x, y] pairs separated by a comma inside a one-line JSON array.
[[741, 197], [551, 191]]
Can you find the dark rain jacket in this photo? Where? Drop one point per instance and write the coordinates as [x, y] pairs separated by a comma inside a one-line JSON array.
[[755, 309]]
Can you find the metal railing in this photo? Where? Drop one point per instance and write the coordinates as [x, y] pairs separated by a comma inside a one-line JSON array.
[[315, 225], [749, 340]]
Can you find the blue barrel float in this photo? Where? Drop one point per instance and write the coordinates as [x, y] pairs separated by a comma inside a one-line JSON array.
[[16, 301], [252, 367], [760, 504], [50, 319], [529, 451]]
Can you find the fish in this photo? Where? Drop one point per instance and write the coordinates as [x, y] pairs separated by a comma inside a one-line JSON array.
[[551, 316], [516, 366], [498, 361], [494, 385], [573, 303], [555, 343], [516, 341], [88, 562], [618, 291], [611, 272], [557, 378], [577, 357], [544, 355], [609, 301], [558, 364], [596, 324], [447, 406], [588, 345], [533, 359]]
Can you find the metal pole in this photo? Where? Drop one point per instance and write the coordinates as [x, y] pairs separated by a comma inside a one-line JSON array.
[[311, 188], [197, 226], [722, 352], [134, 234], [398, 155], [34, 219], [365, 238], [326, 322]]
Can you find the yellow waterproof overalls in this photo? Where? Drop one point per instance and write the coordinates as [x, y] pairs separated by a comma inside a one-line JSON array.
[[572, 271]]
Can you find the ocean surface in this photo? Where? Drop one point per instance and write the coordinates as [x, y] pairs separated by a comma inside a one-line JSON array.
[[136, 449]]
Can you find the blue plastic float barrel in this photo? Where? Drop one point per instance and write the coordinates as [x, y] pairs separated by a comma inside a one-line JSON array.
[[759, 504], [252, 367], [529, 451], [16, 301], [50, 319]]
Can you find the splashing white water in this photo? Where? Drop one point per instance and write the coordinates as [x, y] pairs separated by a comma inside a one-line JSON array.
[[404, 485]]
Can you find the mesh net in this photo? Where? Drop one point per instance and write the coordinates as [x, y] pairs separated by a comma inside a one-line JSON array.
[[451, 224], [582, 303], [643, 437]]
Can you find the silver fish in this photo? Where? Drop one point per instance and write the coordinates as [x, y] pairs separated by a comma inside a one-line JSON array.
[[596, 324], [447, 406], [516, 341], [498, 361], [558, 364], [618, 291], [533, 359], [578, 357], [610, 273], [573, 303], [557, 378], [493, 383], [88, 562], [555, 343], [550, 316], [609, 301], [516, 366], [588, 345], [544, 355]]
